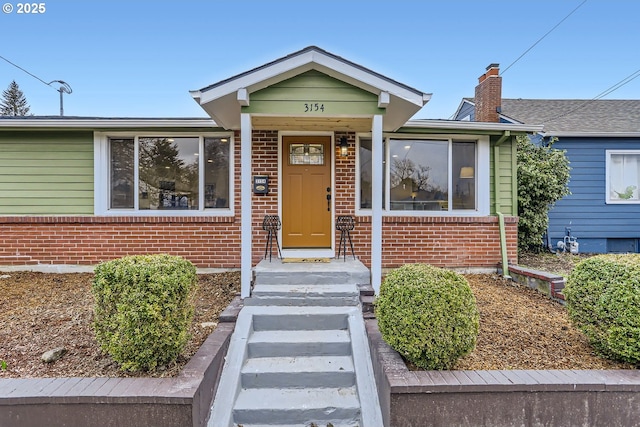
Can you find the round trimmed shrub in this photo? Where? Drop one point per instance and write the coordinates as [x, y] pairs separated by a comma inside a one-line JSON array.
[[428, 315], [603, 301], [143, 309]]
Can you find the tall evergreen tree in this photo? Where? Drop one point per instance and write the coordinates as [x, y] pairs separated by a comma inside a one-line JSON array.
[[13, 102]]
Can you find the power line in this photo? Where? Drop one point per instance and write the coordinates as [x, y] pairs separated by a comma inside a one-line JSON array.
[[545, 35], [601, 95], [31, 74]]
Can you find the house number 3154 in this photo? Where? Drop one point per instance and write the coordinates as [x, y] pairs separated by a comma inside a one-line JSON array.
[[313, 107]]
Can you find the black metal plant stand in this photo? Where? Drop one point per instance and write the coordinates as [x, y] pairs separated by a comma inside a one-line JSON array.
[[345, 223], [271, 224]]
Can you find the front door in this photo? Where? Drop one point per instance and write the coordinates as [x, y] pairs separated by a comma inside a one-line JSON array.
[[306, 192]]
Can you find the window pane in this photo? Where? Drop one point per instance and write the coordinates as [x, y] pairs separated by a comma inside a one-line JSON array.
[[306, 154], [464, 175], [121, 173], [364, 156], [168, 173], [216, 173], [623, 177], [418, 175]]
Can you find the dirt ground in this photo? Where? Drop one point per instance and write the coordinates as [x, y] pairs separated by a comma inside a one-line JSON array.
[[519, 328], [42, 311], [561, 263]]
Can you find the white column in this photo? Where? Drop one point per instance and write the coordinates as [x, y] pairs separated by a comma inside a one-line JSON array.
[[377, 155], [245, 205]]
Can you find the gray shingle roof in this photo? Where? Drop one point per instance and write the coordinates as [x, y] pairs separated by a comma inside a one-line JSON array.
[[576, 115]]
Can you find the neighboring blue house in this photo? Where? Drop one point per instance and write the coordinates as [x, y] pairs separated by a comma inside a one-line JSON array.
[[602, 141]]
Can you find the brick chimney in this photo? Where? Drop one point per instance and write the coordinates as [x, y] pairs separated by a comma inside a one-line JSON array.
[[489, 95]]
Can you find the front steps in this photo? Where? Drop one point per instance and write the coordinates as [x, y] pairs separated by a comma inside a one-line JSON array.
[[299, 356], [330, 273], [305, 295]]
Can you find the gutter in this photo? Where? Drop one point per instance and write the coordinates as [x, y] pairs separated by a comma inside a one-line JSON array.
[[568, 134], [105, 123], [486, 126], [505, 135]]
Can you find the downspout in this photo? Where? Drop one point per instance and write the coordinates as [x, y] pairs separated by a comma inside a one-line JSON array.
[[496, 181], [503, 246]]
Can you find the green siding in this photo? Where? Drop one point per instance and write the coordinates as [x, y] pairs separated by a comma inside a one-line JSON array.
[[506, 178], [46, 173], [290, 96]]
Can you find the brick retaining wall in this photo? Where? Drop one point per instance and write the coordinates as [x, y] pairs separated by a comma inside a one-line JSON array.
[[183, 401], [533, 398]]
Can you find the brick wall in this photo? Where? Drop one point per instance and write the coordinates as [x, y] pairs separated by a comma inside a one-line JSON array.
[[264, 162], [215, 241], [440, 241], [206, 241]]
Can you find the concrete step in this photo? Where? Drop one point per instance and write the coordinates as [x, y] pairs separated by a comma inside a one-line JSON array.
[[332, 290], [299, 343], [302, 301], [298, 372], [304, 318], [336, 271], [348, 424], [304, 295], [297, 406]]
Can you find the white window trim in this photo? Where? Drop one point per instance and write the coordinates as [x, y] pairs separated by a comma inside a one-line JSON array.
[[483, 194], [607, 180], [102, 178]]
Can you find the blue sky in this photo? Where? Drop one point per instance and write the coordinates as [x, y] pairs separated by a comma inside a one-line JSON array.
[[140, 58]]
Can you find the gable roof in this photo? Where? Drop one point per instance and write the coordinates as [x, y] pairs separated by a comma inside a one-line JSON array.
[[220, 100], [574, 117]]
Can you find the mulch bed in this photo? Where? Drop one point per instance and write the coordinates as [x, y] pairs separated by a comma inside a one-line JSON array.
[[520, 328], [42, 311]]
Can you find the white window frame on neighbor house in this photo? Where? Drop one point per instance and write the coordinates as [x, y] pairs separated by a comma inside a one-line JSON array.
[[102, 174], [482, 175], [634, 181]]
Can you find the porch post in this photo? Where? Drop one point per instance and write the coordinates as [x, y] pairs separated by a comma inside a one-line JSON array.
[[377, 155], [245, 205]]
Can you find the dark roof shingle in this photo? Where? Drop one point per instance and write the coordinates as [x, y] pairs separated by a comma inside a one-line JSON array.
[[576, 115]]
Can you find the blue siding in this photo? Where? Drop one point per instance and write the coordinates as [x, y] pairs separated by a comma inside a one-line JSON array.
[[591, 220], [466, 109]]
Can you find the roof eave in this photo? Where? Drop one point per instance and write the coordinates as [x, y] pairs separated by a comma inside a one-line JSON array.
[[306, 56], [106, 123], [568, 134], [480, 126], [221, 96]]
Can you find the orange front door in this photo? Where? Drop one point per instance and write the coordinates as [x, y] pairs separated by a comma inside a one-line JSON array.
[[306, 183]]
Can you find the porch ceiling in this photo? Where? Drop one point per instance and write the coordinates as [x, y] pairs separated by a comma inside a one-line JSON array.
[[344, 124]]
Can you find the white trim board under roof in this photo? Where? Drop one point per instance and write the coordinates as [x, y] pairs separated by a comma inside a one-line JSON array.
[[223, 100], [453, 125], [94, 123]]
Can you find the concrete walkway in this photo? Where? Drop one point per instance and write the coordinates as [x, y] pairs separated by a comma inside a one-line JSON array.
[[299, 354]]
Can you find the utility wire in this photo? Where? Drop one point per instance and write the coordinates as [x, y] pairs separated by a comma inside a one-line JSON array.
[[31, 74], [601, 95], [545, 35]]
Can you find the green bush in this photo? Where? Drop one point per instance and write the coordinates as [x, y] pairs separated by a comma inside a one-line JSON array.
[[603, 301], [543, 179], [428, 315], [143, 309]]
